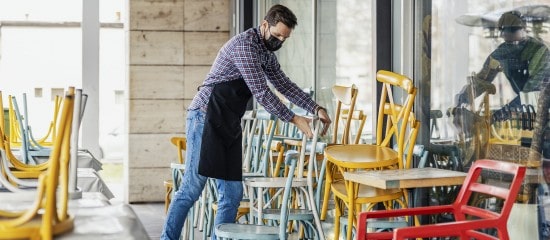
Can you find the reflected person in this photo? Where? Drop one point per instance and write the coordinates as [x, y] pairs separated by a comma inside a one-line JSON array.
[[524, 60]]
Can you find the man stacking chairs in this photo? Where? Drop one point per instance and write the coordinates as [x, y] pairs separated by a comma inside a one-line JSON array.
[[281, 213], [397, 98], [48, 214]]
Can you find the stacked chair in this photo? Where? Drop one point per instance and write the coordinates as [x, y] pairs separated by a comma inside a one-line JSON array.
[[14, 170], [273, 216], [48, 215], [394, 123], [18, 175], [17, 128], [259, 147], [345, 115], [22, 135]]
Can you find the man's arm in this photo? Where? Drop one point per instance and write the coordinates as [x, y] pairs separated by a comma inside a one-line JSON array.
[[480, 82], [539, 68], [297, 96], [246, 58]]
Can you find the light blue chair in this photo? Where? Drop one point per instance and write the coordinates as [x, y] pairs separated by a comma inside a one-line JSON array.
[[261, 189], [261, 232], [258, 144]]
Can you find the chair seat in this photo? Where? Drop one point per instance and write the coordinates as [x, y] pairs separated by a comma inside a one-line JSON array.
[[339, 189], [277, 182], [293, 215], [169, 183], [244, 231]]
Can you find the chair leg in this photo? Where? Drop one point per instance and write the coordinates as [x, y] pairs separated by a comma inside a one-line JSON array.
[[351, 214], [167, 198], [337, 215], [326, 196], [202, 210]]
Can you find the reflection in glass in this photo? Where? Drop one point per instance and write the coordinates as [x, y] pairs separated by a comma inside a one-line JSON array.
[[488, 66], [343, 55]]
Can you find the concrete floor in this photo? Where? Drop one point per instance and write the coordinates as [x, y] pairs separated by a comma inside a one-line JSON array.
[[152, 216]]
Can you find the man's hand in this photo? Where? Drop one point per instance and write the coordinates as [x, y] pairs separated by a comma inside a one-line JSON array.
[[325, 119], [303, 124]]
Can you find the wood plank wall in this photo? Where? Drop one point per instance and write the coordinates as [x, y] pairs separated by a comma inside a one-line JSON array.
[[171, 46]]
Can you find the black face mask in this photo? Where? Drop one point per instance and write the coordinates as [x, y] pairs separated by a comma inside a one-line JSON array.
[[272, 43]]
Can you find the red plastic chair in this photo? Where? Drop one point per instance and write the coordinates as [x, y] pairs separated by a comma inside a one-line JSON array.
[[468, 219]]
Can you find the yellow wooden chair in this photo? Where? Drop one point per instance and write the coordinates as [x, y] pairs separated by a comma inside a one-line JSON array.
[[345, 115], [48, 215], [181, 145], [392, 123]]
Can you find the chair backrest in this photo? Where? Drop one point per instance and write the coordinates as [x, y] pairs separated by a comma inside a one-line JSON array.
[[259, 142], [473, 185], [396, 101], [181, 144], [410, 142], [58, 177], [345, 113], [291, 159], [53, 195], [314, 148]]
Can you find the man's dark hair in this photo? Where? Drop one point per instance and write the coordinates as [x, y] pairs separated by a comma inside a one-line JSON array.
[[279, 13]]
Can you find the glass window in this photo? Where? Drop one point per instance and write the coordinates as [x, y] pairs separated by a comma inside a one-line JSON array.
[[343, 53], [469, 57], [296, 54], [485, 67], [41, 44]]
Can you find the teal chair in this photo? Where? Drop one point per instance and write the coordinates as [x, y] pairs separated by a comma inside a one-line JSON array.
[[258, 132], [260, 232], [269, 189]]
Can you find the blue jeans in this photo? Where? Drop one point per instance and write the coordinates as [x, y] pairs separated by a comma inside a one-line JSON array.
[[229, 192]]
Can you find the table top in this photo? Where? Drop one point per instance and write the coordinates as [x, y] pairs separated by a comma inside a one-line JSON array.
[[361, 155], [407, 178]]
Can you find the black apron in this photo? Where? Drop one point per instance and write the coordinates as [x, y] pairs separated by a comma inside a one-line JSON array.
[[221, 148]]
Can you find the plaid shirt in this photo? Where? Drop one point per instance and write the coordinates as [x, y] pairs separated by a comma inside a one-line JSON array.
[[245, 56]]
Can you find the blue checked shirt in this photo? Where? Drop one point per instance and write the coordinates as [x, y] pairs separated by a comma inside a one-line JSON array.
[[245, 56]]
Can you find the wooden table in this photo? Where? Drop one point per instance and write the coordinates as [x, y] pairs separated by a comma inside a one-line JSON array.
[[407, 178]]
